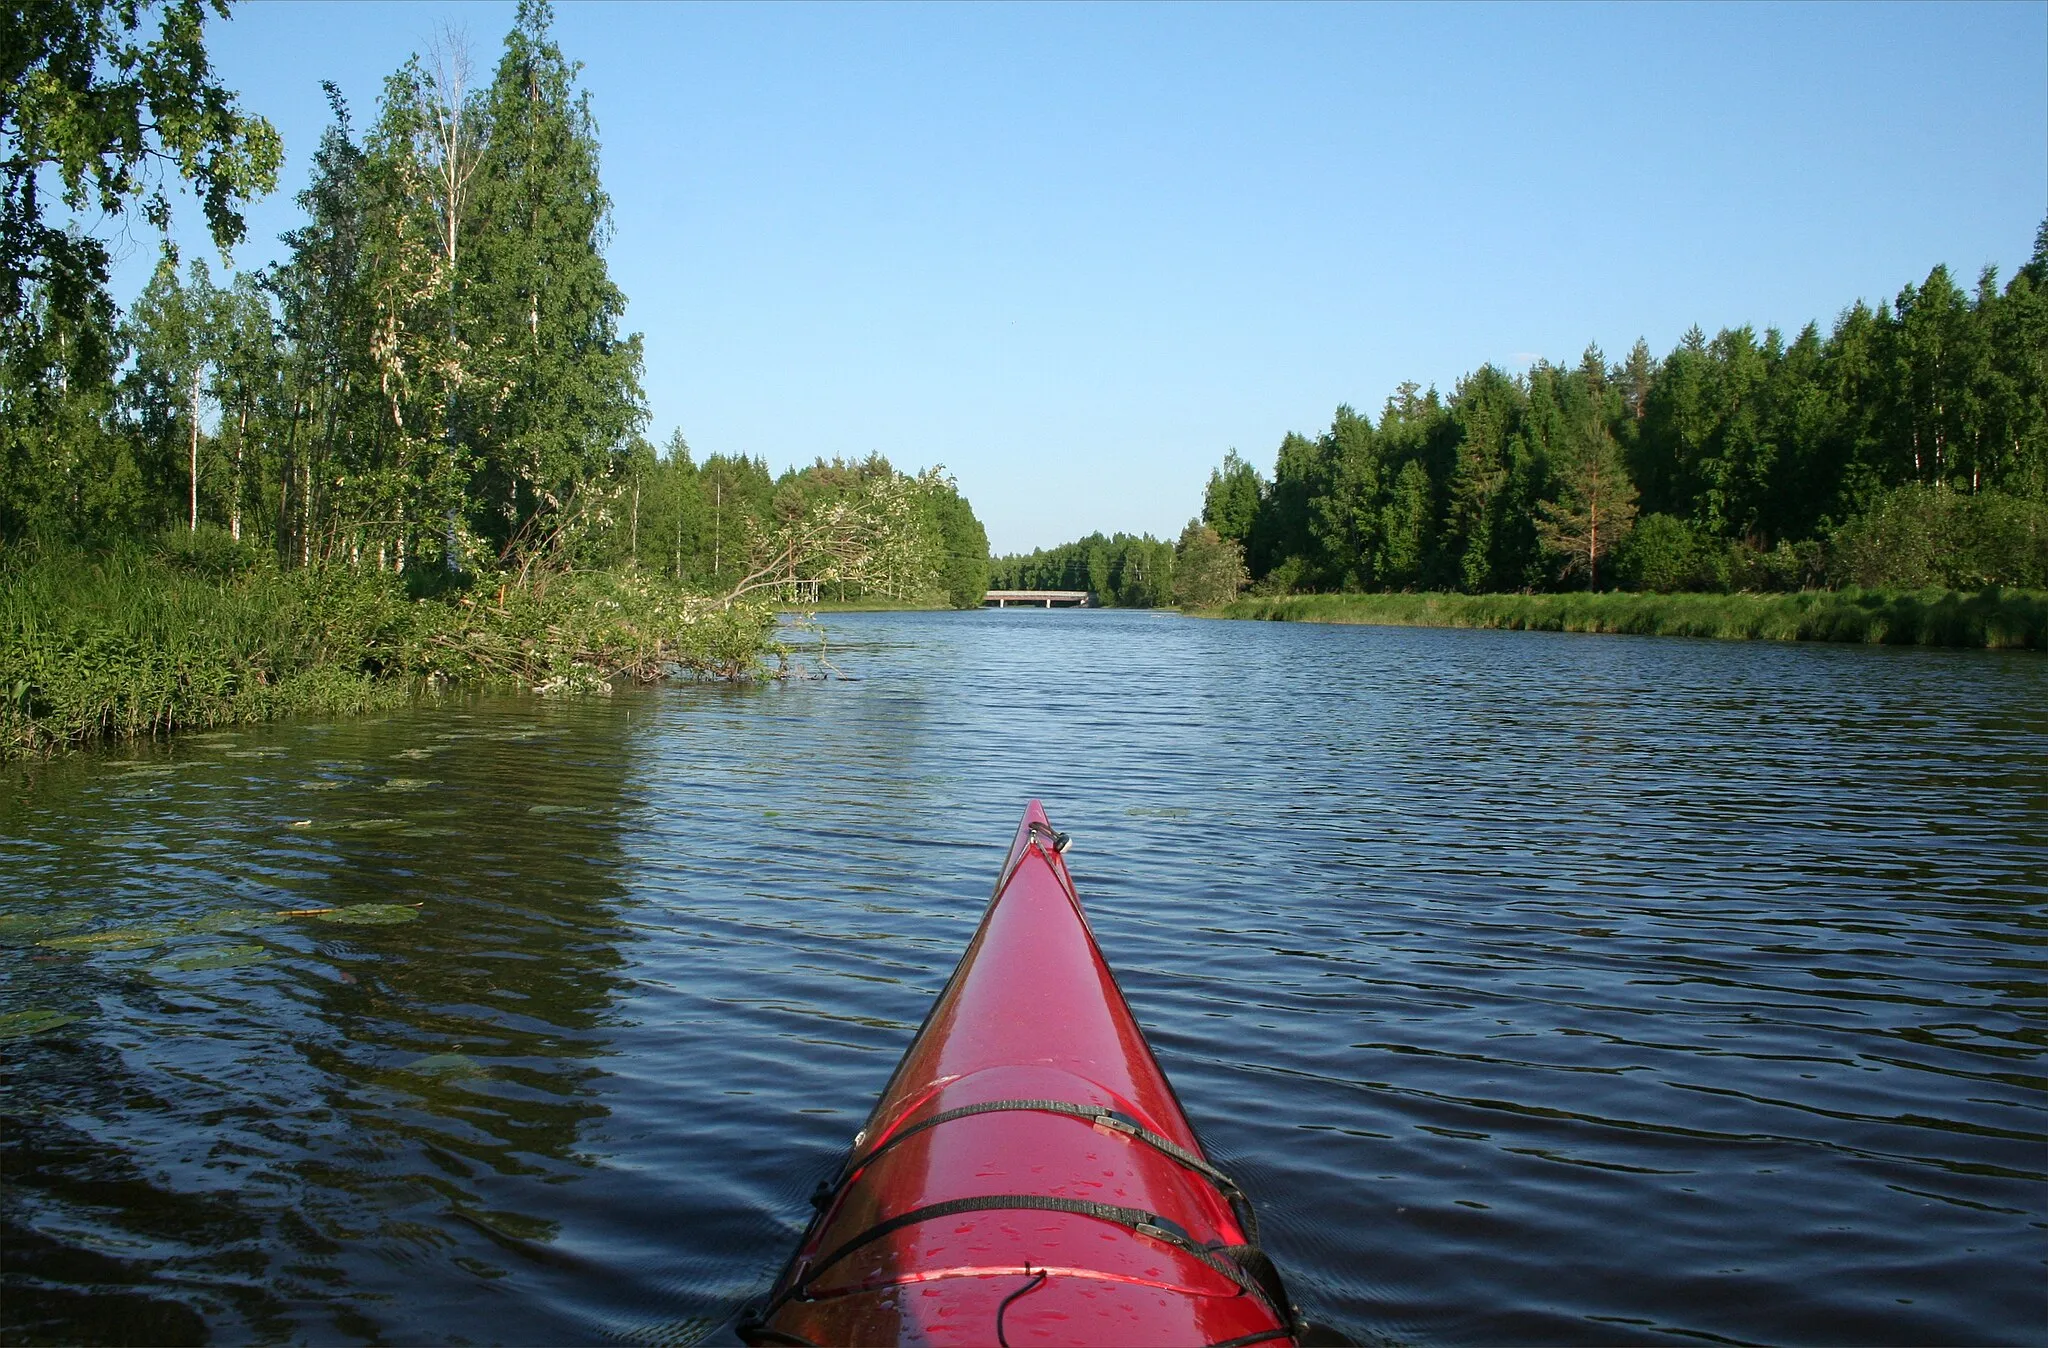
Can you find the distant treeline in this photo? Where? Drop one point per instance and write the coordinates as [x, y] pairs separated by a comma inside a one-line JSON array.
[[1908, 447], [1127, 570]]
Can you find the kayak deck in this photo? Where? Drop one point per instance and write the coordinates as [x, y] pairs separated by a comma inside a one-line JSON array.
[[1028, 1176]]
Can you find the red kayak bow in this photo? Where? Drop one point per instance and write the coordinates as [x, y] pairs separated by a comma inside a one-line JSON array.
[[1028, 1176]]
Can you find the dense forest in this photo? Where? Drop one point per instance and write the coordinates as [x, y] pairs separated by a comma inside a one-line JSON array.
[[1908, 447], [432, 383]]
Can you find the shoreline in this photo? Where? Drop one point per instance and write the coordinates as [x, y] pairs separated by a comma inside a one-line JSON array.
[[866, 606], [1990, 619]]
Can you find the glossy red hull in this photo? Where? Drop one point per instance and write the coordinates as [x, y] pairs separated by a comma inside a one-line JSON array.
[[1028, 1176]]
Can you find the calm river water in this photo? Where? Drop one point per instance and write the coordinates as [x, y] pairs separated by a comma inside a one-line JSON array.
[[1542, 989]]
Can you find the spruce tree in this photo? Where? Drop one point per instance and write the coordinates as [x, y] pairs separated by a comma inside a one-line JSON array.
[[1593, 505], [545, 312]]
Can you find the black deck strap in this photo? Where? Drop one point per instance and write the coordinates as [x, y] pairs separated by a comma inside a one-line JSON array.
[[1099, 1115], [1259, 1336], [1259, 1266], [754, 1332], [1226, 1260]]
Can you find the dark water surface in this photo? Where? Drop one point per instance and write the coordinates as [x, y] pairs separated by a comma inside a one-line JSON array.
[[1543, 989]]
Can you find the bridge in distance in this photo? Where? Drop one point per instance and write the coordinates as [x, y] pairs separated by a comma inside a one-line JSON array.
[[1036, 599]]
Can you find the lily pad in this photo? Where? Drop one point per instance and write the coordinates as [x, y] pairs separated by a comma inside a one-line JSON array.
[[368, 825], [513, 1224], [120, 938], [255, 753], [370, 914], [227, 919], [408, 784], [449, 1065], [555, 809], [418, 754], [23, 924], [228, 957], [35, 1020], [318, 784]]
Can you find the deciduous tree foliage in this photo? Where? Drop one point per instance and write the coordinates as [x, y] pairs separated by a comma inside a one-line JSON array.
[[434, 379], [706, 525], [103, 102], [1208, 569]]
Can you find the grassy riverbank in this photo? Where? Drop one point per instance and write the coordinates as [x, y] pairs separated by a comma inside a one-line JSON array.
[[1989, 618], [134, 643]]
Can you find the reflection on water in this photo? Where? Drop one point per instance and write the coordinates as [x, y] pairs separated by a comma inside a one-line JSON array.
[[1543, 989], [320, 1049]]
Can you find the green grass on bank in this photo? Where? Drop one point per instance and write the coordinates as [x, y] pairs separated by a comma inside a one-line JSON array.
[[2000, 619]]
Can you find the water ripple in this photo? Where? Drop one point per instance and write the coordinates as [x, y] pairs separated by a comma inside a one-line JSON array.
[[1542, 988]]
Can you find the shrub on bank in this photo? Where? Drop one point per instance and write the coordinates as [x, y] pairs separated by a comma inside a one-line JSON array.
[[143, 643], [1919, 536]]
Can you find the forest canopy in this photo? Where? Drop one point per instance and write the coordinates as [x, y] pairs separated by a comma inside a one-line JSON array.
[[1908, 446]]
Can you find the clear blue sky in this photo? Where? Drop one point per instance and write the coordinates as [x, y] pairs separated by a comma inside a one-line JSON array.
[[1076, 252]]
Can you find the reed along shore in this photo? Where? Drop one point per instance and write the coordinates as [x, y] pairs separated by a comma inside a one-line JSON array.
[[1991, 618]]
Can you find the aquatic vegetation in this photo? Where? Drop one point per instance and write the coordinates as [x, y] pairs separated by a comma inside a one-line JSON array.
[[448, 1065], [2000, 619], [35, 1020], [18, 924], [228, 919], [118, 938], [368, 914], [227, 957]]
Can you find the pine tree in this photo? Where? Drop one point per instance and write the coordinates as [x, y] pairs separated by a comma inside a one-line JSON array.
[[1594, 504]]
